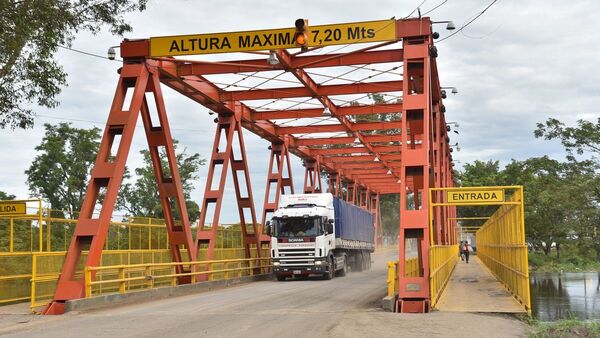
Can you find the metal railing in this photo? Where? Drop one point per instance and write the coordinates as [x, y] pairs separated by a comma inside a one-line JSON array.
[[411, 269], [502, 248], [442, 260], [147, 276]]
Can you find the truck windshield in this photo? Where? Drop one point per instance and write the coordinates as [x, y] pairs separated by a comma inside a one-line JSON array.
[[297, 227]]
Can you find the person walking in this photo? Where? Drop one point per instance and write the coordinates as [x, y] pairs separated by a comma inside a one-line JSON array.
[[465, 250]]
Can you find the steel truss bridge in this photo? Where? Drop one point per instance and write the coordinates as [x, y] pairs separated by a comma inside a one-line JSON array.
[[363, 150]]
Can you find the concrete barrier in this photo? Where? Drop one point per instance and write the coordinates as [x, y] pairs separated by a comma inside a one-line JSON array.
[[114, 299]]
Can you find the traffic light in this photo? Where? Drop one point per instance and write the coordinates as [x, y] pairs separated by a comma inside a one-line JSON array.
[[301, 36]]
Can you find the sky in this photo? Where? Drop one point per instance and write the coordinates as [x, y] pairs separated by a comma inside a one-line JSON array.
[[520, 63]]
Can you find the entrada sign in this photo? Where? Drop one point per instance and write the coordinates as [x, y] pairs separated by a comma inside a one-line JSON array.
[[13, 208], [324, 35], [475, 196]]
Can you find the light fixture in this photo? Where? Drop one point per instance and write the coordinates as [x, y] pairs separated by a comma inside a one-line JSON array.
[[273, 60], [111, 53], [326, 111], [453, 90], [389, 172], [357, 140], [449, 24], [399, 181], [376, 159]]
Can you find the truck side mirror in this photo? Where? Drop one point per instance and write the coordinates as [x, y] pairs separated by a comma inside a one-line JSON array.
[[329, 226], [268, 228]]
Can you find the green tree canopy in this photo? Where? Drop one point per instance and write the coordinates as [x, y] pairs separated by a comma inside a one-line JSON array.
[[585, 138], [6, 196], [140, 198], [61, 170], [30, 33]]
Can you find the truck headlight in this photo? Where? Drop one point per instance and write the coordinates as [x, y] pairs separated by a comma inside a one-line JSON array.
[[276, 264], [318, 262]]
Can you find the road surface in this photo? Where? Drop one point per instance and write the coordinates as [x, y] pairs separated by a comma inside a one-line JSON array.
[[342, 307]]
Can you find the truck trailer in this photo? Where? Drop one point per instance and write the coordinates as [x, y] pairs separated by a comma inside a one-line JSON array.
[[319, 234]]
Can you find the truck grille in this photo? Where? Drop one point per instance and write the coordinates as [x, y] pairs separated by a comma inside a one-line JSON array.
[[297, 257]]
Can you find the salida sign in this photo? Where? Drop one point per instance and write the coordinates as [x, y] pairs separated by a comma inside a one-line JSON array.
[[475, 196], [324, 35], [13, 208]]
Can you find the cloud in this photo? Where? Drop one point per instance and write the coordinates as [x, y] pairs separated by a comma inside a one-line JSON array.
[[529, 61]]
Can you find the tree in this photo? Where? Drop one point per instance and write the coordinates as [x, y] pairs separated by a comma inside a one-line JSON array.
[[5, 196], [31, 32], [478, 174], [61, 170], [581, 139], [140, 198]]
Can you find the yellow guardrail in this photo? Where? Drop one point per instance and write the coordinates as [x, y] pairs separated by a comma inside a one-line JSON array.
[[502, 248], [411, 269], [392, 278], [442, 260], [33, 245], [148, 274]]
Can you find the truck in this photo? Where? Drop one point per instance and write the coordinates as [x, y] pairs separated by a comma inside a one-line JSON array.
[[319, 234]]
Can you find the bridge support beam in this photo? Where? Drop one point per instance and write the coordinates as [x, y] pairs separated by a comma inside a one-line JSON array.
[[92, 228], [280, 162], [229, 129], [413, 292]]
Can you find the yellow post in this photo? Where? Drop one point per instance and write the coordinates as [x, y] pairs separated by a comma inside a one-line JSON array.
[[41, 235], [12, 234], [391, 279], [33, 278], [121, 280], [88, 281], [149, 279], [527, 286]]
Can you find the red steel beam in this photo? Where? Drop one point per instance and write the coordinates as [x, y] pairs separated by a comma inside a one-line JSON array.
[[318, 112], [326, 90], [326, 128], [316, 61], [345, 140]]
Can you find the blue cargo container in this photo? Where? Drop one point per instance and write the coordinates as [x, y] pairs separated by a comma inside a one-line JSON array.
[[352, 222]]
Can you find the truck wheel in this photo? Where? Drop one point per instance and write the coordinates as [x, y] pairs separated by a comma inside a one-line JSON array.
[[366, 261], [369, 261], [329, 274], [344, 269], [281, 278], [358, 262]]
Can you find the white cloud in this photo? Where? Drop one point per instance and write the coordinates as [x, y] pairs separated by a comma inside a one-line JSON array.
[[535, 59]]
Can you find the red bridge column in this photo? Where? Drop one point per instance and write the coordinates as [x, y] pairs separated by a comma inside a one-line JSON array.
[[413, 292]]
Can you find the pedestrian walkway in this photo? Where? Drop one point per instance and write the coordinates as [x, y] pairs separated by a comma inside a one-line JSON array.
[[472, 288]]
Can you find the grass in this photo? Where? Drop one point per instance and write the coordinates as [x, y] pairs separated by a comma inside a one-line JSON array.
[[571, 260], [563, 328]]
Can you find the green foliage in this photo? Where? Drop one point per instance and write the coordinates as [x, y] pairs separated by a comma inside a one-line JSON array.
[[140, 198], [478, 174], [562, 199], [390, 214], [6, 196], [31, 32], [61, 170], [564, 328], [582, 139]]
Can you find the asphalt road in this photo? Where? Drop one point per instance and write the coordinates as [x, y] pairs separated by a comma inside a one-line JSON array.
[[311, 307]]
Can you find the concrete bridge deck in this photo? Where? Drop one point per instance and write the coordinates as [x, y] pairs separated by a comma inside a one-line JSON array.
[[472, 288], [343, 307]]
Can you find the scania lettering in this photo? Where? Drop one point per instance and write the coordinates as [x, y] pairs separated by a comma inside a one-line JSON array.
[[319, 234]]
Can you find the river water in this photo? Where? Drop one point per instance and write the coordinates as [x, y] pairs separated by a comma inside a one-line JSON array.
[[569, 295]]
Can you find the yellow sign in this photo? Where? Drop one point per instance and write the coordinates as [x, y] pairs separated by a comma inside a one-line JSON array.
[[324, 35], [13, 208], [475, 196]]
